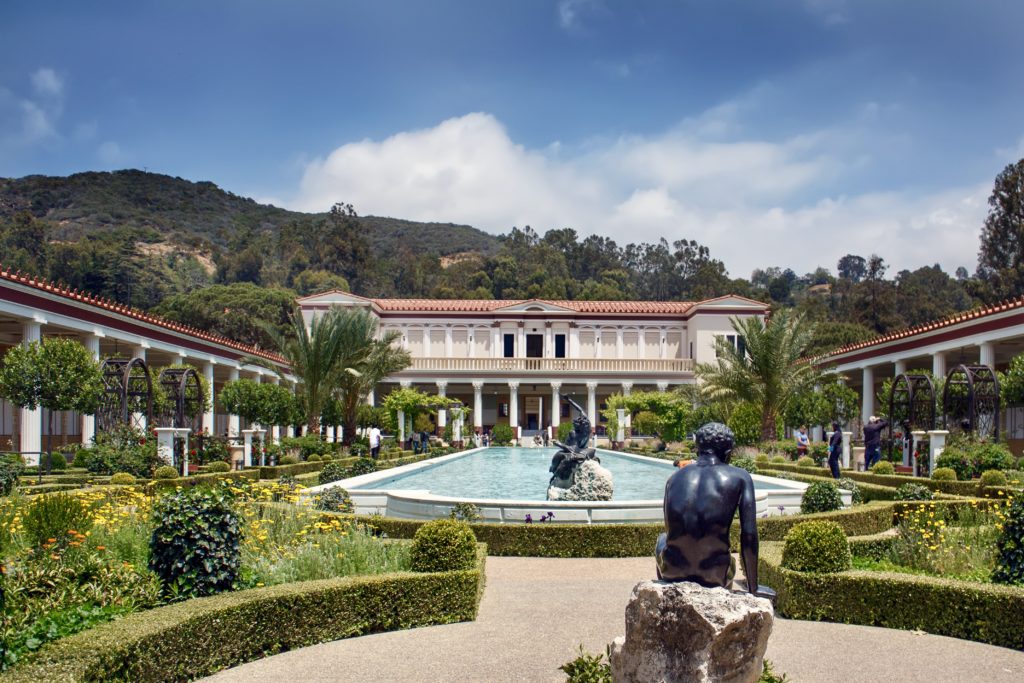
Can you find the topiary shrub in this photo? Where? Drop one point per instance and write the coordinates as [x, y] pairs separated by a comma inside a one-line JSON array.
[[565, 431], [761, 460], [443, 545], [744, 463], [334, 499], [10, 470], [883, 467], [81, 458], [501, 435], [778, 460], [912, 491], [289, 460], [806, 461], [970, 458], [817, 546], [944, 474], [821, 496], [993, 478], [333, 471], [122, 479], [359, 450], [362, 466], [314, 458], [195, 548], [165, 472], [218, 466], [51, 519], [856, 497], [57, 462], [1010, 546]]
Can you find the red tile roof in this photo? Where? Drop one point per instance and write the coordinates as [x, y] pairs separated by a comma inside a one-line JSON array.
[[490, 305], [134, 313], [475, 305], [955, 319]]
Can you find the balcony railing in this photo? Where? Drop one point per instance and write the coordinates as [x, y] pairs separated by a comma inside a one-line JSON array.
[[541, 365]]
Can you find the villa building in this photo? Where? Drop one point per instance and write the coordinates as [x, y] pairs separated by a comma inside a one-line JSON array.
[[517, 361]]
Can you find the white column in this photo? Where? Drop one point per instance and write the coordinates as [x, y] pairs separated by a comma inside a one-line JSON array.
[[165, 443], [496, 351], [939, 364], [401, 428], [208, 421], [627, 389], [619, 346], [900, 367], [574, 342], [234, 424], [426, 341], [513, 406], [371, 398], [867, 399], [442, 414], [556, 404], [847, 436], [448, 343], [478, 404], [936, 444], [987, 354], [662, 386], [549, 346], [521, 342], [92, 343], [31, 420], [592, 403], [664, 342]]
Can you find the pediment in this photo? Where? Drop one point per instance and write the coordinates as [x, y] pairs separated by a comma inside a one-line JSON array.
[[335, 297], [535, 306], [731, 301]]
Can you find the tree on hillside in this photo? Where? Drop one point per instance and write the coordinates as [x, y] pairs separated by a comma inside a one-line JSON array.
[[929, 293], [873, 299], [769, 371], [239, 311], [23, 243], [1001, 257], [829, 336], [853, 268]]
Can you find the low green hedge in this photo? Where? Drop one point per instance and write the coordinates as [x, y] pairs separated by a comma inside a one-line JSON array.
[[46, 488], [278, 471], [958, 488], [200, 479], [875, 546], [198, 637], [986, 613], [869, 492]]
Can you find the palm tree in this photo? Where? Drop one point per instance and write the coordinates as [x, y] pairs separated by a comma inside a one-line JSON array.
[[769, 372]]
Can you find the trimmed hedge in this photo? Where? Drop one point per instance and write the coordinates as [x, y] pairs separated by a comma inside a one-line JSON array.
[[875, 546], [384, 462], [985, 613], [198, 637], [47, 488], [958, 488], [278, 471], [200, 479]]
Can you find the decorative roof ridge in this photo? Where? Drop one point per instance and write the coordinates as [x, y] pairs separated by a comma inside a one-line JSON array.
[[131, 312], [930, 326]]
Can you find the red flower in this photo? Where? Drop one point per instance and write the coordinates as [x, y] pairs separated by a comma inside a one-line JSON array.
[[142, 442], [192, 452]]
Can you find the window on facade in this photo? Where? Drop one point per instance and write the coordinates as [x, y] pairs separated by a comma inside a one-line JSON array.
[[534, 346], [733, 340], [559, 346], [510, 345]]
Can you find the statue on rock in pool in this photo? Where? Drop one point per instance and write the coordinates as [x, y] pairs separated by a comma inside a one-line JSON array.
[[701, 501], [576, 472]]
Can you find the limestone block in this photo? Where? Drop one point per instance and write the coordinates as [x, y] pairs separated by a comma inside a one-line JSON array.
[[590, 481], [683, 633]]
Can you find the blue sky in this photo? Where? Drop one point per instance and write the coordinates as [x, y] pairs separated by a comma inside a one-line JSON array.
[[778, 132]]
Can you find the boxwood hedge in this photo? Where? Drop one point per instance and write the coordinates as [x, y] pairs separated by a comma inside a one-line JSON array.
[[958, 488], [985, 613], [200, 479], [198, 637]]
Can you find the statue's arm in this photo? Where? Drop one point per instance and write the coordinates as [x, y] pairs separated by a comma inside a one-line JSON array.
[[748, 533]]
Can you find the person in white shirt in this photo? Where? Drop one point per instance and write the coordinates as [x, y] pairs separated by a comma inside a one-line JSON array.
[[374, 442]]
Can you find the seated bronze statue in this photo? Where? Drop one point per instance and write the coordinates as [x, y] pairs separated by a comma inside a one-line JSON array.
[[701, 500], [574, 453]]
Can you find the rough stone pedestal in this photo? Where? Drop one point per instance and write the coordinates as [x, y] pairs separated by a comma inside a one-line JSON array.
[[683, 633], [590, 481]]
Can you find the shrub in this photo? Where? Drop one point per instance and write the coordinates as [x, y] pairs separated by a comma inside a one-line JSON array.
[[57, 462], [806, 461], [289, 460], [970, 458], [883, 467], [165, 472], [761, 459], [856, 497], [9, 473], [467, 512], [744, 463], [362, 466], [587, 668], [564, 431], [745, 423], [1010, 546], [993, 478], [122, 479], [819, 452], [50, 520], [944, 474], [218, 466], [443, 545], [122, 450], [333, 471], [817, 546], [334, 499], [308, 445], [359, 450], [313, 458], [501, 435], [195, 548], [911, 491], [81, 458], [779, 459], [821, 496]]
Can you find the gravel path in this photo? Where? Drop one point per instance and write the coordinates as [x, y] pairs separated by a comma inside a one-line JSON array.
[[537, 611]]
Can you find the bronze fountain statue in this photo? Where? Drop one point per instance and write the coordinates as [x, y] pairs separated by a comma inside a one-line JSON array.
[[573, 454], [701, 500]]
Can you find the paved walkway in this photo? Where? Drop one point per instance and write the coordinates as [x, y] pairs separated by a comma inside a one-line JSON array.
[[536, 612]]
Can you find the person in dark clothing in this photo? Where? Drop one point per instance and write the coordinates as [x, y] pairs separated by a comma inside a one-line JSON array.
[[873, 441], [835, 448]]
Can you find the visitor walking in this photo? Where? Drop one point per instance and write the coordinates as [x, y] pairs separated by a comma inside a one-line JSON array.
[[835, 447], [415, 442], [873, 440], [803, 442], [374, 441]]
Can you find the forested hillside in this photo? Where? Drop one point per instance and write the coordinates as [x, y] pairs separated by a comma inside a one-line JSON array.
[[198, 254]]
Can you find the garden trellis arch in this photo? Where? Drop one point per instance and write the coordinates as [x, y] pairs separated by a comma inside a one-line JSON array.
[[184, 392], [912, 403], [127, 397], [970, 402]]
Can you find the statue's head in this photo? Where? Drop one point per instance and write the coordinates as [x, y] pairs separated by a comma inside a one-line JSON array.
[[715, 439]]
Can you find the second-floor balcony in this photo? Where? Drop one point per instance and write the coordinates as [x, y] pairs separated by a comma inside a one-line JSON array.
[[598, 366]]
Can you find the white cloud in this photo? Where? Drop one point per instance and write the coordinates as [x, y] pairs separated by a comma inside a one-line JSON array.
[[46, 83], [32, 120], [571, 12], [831, 12], [111, 154], [753, 202]]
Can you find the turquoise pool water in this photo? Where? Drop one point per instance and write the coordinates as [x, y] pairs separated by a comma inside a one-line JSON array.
[[522, 474]]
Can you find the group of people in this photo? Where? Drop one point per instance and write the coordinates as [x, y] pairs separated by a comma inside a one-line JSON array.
[[872, 443]]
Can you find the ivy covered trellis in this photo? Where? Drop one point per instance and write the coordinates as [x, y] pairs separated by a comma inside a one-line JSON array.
[[127, 395], [971, 401]]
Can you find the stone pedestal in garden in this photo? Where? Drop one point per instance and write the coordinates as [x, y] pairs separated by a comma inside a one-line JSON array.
[[684, 633], [590, 481]]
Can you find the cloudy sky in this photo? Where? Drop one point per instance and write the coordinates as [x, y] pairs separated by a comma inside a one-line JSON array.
[[777, 132]]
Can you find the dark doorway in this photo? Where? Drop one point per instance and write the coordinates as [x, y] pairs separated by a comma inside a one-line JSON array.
[[509, 346], [534, 345], [559, 346]]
